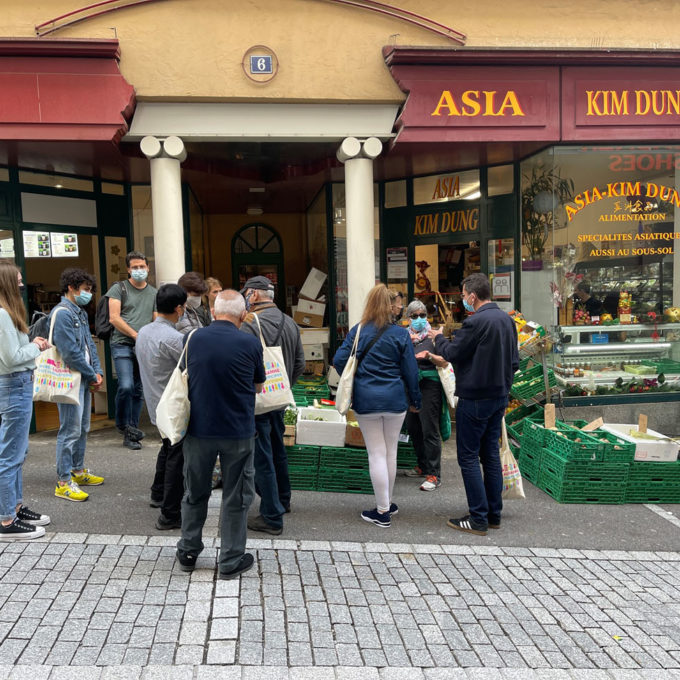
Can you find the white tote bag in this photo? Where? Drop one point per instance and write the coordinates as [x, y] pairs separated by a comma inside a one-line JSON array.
[[512, 478], [53, 380], [343, 395], [276, 393], [448, 380], [174, 408]]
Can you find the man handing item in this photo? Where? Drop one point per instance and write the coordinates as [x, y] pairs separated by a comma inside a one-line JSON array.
[[485, 358]]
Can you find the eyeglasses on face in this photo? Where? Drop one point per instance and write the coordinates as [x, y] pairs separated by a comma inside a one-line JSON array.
[[422, 315]]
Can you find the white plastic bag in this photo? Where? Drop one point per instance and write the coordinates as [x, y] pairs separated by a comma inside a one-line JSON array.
[[343, 395], [448, 380], [512, 478], [276, 393], [174, 408], [53, 380]]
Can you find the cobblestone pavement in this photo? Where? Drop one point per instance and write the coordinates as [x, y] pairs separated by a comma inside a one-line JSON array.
[[117, 606]]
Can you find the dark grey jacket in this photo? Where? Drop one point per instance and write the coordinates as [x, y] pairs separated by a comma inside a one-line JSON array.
[[271, 318]]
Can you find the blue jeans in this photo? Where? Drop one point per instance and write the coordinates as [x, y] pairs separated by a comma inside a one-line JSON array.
[[130, 394], [74, 424], [16, 407], [271, 467], [478, 429]]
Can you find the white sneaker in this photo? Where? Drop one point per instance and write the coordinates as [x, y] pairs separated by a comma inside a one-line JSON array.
[[430, 484], [414, 472]]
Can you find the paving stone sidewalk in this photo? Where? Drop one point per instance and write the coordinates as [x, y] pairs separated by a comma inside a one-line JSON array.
[[117, 606]]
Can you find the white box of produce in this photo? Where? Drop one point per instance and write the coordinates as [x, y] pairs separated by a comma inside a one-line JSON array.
[[650, 446], [320, 427]]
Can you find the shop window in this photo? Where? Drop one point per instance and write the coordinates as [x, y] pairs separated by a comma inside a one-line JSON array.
[[395, 194], [56, 181], [501, 180], [142, 226], [4, 175], [7, 250], [452, 186], [501, 270], [50, 209]]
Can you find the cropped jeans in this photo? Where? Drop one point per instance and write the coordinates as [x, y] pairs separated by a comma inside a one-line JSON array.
[[16, 407], [74, 424], [130, 394]]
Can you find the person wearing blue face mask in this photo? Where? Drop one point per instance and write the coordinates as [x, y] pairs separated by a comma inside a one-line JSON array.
[[72, 337], [425, 427]]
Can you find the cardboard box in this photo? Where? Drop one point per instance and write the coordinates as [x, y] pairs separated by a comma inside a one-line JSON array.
[[313, 283], [289, 431], [663, 450], [328, 431], [354, 437], [314, 367], [288, 440], [304, 319], [313, 336], [313, 352]]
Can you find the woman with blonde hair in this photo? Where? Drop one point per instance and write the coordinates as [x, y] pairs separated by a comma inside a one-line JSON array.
[[17, 362], [385, 387], [214, 289]]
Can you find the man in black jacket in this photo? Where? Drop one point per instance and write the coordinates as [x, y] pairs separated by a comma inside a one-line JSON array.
[[485, 358], [271, 462]]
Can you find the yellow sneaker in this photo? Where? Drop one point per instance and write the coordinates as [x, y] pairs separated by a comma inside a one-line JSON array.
[[86, 478], [70, 492]]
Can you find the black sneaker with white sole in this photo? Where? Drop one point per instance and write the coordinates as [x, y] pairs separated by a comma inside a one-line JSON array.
[[246, 562], [20, 531], [380, 519], [394, 509], [468, 525], [187, 561], [24, 514]]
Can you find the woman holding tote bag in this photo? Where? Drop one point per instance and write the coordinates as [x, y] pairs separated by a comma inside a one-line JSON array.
[[17, 362], [385, 387]]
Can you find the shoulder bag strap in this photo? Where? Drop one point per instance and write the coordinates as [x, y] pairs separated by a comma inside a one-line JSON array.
[[356, 342], [283, 323], [370, 344], [185, 352], [57, 309], [259, 328]]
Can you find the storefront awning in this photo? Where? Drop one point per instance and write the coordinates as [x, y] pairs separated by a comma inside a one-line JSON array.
[[63, 90]]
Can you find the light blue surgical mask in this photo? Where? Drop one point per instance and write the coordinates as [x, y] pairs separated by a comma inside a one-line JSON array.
[[83, 298], [139, 274], [419, 324], [468, 306]]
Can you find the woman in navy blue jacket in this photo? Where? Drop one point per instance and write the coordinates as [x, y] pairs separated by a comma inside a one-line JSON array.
[[385, 387]]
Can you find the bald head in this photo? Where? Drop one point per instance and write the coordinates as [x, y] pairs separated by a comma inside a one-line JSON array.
[[230, 306]]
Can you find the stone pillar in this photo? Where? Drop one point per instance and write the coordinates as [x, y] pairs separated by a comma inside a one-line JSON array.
[[165, 157], [358, 158]]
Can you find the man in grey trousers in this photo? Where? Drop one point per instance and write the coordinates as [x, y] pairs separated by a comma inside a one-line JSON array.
[[226, 370]]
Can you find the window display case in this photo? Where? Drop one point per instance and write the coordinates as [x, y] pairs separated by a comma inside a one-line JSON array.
[[618, 359]]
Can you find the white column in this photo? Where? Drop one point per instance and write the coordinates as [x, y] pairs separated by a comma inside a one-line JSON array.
[[166, 205], [359, 210]]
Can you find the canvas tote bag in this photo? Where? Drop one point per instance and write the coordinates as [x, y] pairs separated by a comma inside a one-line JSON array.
[[448, 380], [53, 380], [343, 395], [174, 408], [276, 393], [512, 479]]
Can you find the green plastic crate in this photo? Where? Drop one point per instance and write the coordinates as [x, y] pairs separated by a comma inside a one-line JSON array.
[[300, 400], [651, 492], [332, 457], [344, 481], [563, 442], [536, 383], [578, 471], [522, 412], [303, 478], [616, 450], [530, 460], [590, 492], [665, 365], [655, 472], [516, 429], [303, 455], [406, 458]]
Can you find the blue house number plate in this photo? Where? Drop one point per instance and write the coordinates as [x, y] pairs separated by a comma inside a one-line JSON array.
[[261, 64]]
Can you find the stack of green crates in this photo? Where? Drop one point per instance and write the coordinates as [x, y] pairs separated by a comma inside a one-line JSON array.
[[530, 382], [309, 388], [344, 470], [406, 456], [303, 467], [653, 482]]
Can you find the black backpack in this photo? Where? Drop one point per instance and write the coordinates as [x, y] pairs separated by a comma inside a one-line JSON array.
[[40, 326], [103, 328]]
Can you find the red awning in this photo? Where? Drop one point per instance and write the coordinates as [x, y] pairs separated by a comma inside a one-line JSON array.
[[63, 90]]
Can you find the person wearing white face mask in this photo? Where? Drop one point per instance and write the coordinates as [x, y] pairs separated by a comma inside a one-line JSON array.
[[72, 337], [196, 315], [128, 313]]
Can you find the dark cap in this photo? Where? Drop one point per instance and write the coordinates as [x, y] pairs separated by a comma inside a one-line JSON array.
[[257, 283]]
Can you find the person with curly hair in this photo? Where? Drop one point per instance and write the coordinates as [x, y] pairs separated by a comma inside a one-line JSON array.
[[72, 337]]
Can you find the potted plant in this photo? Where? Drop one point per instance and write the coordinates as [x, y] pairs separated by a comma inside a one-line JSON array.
[[543, 193]]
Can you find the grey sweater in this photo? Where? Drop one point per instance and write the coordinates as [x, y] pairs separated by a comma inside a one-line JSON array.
[[16, 352], [270, 318]]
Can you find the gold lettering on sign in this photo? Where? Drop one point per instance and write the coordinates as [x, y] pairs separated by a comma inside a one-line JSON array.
[[446, 187], [447, 222], [601, 103], [473, 103]]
